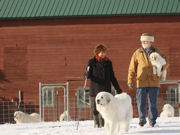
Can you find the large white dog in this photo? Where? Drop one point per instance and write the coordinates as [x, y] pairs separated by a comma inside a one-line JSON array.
[[157, 62], [21, 117], [168, 111], [64, 116], [116, 110]]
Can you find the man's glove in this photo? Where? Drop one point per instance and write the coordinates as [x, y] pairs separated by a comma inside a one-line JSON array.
[[130, 86]]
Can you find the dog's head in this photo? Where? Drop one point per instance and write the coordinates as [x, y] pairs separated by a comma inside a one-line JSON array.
[[18, 115], [154, 56], [167, 107], [63, 116], [103, 98]]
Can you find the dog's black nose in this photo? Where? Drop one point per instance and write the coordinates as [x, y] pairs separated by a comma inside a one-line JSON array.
[[98, 101]]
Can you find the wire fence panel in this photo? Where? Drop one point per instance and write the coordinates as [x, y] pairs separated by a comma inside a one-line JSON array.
[[7, 109], [57, 105]]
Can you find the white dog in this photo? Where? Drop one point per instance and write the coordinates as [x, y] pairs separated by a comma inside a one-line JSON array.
[[168, 111], [63, 116], [157, 62], [116, 110], [21, 117]]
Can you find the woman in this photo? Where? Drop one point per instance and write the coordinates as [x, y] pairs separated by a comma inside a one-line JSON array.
[[100, 72]]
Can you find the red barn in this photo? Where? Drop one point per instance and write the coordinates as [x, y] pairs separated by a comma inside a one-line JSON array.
[[51, 41]]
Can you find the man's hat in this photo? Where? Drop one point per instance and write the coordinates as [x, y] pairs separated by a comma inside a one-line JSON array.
[[147, 37]]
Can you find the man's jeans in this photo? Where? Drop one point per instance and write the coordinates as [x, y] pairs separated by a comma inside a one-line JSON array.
[[141, 95]]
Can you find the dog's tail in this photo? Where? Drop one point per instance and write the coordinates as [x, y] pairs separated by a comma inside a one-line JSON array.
[[130, 107], [129, 114], [125, 96], [129, 101]]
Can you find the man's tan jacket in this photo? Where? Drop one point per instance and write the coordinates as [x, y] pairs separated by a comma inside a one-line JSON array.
[[141, 70]]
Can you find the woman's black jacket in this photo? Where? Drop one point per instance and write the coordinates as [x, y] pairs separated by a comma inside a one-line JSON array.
[[101, 75]]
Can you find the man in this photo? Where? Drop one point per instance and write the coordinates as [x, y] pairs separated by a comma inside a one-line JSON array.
[[148, 84], [101, 75]]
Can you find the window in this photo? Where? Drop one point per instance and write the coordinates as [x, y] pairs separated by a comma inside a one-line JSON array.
[[83, 98], [48, 94], [172, 95]]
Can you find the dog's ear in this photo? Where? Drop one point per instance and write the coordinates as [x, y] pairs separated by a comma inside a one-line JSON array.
[[108, 99]]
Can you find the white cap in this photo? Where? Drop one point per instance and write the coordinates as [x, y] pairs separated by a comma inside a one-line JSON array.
[[147, 38]]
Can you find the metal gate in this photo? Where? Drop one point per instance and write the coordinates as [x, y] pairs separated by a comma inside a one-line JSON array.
[[173, 93], [49, 100]]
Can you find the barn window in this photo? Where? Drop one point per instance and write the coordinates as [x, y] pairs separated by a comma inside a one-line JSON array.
[[83, 98], [48, 94], [172, 95]]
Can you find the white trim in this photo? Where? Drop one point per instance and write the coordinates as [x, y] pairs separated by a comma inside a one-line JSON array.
[[147, 38]]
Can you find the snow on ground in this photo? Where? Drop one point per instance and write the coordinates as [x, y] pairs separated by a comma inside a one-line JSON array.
[[167, 126]]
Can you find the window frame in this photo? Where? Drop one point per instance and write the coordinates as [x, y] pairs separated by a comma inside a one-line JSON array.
[[80, 91], [172, 91], [46, 96]]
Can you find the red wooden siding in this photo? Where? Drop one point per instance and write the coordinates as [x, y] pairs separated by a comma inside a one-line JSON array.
[[55, 50]]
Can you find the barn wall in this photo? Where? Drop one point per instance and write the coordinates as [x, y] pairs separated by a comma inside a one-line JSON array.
[[55, 50]]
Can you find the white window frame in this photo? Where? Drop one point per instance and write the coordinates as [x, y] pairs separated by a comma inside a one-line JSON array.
[[172, 95], [81, 97], [48, 98]]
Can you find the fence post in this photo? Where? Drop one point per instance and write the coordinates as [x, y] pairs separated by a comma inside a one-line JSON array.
[[57, 105], [3, 112], [20, 99], [65, 99], [40, 102], [67, 86], [179, 97], [8, 112]]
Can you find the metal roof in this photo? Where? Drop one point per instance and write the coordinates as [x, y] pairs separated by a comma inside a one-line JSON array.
[[20, 9]]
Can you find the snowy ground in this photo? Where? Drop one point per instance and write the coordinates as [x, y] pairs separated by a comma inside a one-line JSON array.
[[166, 126]]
